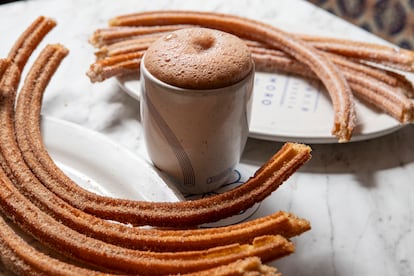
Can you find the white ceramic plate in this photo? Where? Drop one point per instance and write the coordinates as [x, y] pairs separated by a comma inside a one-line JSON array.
[[102, 166], [289, 108], [99, 165]]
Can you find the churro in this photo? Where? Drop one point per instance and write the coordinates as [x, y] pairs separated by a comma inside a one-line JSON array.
[[188, 213], [112, 35], [52, 204], [112, 61], [30, 38], [289, 159], [23, 212], [337, 87], [249, 266], [391, 56], [36, 156], [21, 258], [384, 91], [117, 65], [119, 234], [4, 64], [389, 77], [28, 136], [383, 88], [10, 79], [40, 213], [128, 46], [371, 90], [78, 246]]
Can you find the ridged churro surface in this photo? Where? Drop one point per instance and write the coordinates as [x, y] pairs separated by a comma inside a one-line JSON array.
[[95, 245], [348, 62]]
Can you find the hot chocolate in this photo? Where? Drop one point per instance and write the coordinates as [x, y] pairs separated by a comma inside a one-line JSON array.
[[195, 106], [199, 58]]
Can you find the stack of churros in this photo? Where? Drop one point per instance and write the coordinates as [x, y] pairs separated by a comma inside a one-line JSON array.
[[101, 235], [345, 67]]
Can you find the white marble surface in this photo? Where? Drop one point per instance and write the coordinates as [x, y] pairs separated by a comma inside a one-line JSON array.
[[359, 197]]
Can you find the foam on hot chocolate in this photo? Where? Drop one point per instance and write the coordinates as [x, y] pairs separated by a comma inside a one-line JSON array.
[[199, 58]]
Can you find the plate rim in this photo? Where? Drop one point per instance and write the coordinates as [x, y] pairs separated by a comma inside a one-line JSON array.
[[391, 126], [50, 123]]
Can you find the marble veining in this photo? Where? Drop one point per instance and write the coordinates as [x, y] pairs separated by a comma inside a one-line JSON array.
[[358, 196]]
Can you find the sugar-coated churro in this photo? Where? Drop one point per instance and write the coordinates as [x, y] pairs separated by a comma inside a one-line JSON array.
[[32, 36], [369, 89], [20, 210], [36, 156], [391, 56], [126, 46], [290, 157], [337, 87], [140, 43], [249, 266], [381, 74], [117, 65], [378, 91], [140, 213], [112, 61], [105, 245], [40, 77], [10, 79], [124, 235], [81, 247], [4, 64], [23, 212], [383, 88], [127, 236], [112, 35], [23, 259], [384, 91]]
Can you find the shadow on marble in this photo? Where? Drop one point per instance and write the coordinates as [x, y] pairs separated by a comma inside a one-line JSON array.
[[390, 151], [310, 265], [131, 107]]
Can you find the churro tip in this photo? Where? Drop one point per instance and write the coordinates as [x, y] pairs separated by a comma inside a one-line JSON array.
[[51, 22], [277, 240], [113, 22], [48, 19], [254, 264], [101, 53], [301, 147], [59, 47], [305, 224], [94, 40], [342, 133], [407, 116], [342, 140], [94, 73]]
